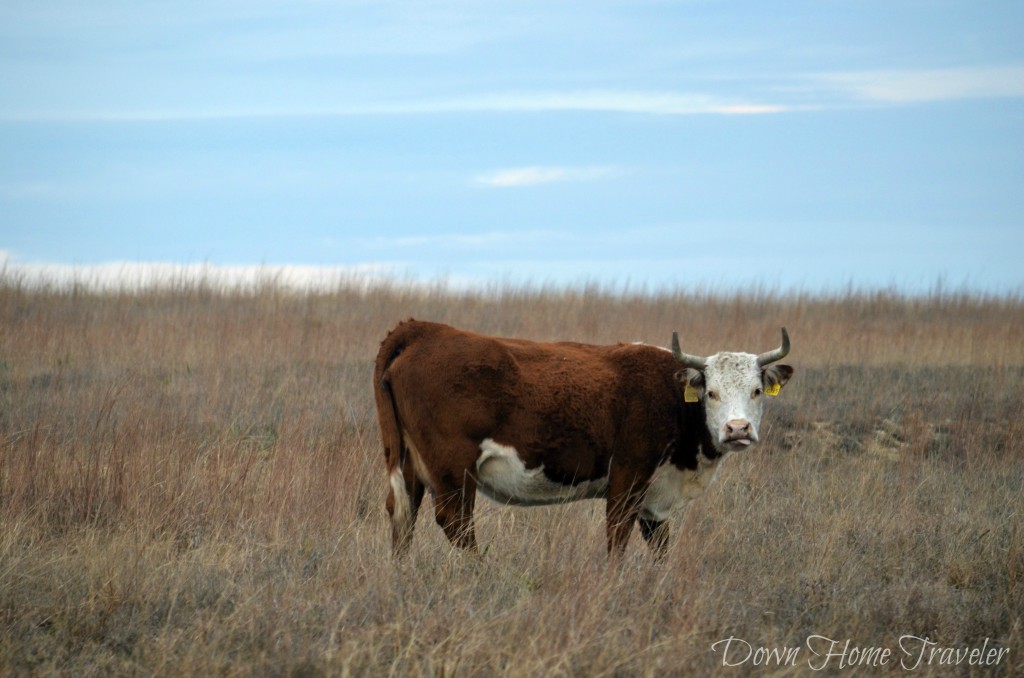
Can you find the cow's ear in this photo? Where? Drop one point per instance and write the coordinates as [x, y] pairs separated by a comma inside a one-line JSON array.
[[693, 384], [691, 377], [775, 377]]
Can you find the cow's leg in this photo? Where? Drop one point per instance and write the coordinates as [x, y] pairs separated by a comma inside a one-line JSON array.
[[655, 532], [625, 493], [405, 495], [453, 509]]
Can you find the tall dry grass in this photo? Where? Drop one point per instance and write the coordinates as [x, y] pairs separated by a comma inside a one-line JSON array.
[[191, 483]]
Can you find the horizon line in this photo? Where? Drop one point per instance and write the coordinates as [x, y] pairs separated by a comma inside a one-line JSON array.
[[124, 276]]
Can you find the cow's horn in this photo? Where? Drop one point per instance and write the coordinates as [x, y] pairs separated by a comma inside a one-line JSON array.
[[777, 354], [696, 362]]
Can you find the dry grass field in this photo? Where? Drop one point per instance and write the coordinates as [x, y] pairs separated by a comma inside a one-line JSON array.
[[191, 483]]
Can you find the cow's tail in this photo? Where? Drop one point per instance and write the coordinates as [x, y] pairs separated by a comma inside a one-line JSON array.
[[399, 502]]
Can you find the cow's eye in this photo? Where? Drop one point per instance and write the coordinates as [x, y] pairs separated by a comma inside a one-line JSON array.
[[757, 392], [712, 395]]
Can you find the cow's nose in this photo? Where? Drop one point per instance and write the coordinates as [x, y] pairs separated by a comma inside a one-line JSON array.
[[736, 429]]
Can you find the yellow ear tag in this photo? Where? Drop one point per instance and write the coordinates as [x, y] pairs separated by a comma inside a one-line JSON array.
[[690, 394], [773, 390]]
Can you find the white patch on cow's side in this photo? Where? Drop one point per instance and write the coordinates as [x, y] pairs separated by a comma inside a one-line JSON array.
[[402, 515], [673, 487], [503, 477]]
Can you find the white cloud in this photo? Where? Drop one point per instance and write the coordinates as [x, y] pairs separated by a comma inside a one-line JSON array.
[[617, 101], [919, 86], [597, 101], [131, 276], [832, 89], [532, 176]]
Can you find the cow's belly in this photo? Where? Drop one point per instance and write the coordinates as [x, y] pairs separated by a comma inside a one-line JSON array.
[[502, 477]]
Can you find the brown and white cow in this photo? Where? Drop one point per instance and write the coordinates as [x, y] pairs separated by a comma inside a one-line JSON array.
[[531, 423]]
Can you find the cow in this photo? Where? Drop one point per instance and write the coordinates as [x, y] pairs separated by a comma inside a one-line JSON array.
[[530, 423]]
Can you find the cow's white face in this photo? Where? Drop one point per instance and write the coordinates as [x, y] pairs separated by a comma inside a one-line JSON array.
[[732, 387]]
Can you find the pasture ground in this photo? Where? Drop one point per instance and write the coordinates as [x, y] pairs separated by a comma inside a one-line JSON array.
[[191, 483]]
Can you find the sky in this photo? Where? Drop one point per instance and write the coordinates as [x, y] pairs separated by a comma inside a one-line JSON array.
[[810, 146]]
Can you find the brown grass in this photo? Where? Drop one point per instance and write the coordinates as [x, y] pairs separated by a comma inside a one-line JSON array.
[[191, 484]]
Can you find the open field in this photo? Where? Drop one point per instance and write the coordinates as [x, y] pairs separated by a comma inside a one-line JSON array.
[[191, 483]]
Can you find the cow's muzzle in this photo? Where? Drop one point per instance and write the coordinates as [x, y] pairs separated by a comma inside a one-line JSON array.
[[738, 433]]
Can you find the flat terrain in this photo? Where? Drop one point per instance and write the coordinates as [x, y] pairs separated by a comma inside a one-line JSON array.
[[191, 483]]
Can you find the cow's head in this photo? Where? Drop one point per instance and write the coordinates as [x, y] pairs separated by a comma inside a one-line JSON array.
[[733, 387]]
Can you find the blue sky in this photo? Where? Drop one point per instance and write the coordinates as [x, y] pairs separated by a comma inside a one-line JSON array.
[[796, 145]]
